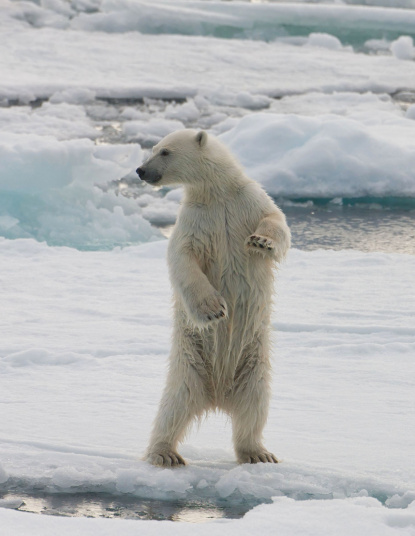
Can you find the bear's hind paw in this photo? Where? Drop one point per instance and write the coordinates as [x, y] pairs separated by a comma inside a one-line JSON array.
[[260, 456], [165, 458]]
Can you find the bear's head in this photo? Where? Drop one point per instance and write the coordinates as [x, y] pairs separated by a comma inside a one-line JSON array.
[[184, 157]]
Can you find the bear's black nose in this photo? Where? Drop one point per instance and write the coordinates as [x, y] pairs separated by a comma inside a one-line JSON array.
[[140, 172]]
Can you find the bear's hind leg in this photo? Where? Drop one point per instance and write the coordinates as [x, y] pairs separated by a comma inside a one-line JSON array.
[[249, 408], [183, 401]]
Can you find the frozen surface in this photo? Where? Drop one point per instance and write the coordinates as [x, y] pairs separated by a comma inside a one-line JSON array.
[[403, 48], [84, 361], [308, 115], [56, 191], [265, 21], [191, 63], [328, 155], [60, 183], [317, 100]]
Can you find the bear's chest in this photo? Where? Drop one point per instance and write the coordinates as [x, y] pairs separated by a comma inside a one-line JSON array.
[[216, 236], [216, 233]]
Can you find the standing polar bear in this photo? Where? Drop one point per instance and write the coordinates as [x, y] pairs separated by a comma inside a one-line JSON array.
[[221, 255]]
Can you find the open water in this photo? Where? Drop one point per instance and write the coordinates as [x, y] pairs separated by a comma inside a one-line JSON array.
[[366, 226]]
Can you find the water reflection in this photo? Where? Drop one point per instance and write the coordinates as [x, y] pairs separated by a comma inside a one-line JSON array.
[[107, 506], [361, 228], [364, 229]]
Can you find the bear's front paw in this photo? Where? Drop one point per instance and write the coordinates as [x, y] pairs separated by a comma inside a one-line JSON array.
[[260, 244], [164, 456], [211, 308]]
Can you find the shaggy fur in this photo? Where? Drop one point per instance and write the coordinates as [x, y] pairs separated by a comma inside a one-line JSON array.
[[221, 255]]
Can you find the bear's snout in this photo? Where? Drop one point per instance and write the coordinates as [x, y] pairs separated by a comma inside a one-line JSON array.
[[149, 175]]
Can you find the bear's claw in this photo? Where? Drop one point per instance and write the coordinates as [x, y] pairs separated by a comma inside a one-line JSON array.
[[262, 242], [262, 456], [211, 308], [165, 458]]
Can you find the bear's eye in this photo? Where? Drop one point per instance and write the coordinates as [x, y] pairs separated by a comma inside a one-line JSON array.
[[164, 152]]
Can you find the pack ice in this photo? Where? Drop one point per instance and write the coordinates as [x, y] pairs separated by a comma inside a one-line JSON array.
[[86, 88]]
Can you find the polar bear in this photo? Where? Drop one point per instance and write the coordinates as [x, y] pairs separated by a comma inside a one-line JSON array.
[[221, 256]]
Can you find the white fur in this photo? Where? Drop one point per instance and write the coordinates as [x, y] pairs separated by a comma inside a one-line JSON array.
[[221, 257]]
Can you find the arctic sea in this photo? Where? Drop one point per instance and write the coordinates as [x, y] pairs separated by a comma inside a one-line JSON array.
[[317, 101]]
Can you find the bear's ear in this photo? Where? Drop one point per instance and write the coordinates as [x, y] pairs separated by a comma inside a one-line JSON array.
[[201, 138]]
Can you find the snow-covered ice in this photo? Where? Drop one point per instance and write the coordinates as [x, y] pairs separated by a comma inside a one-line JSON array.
[[55, 191], [56, 182], [317, 101], [257, 20], [191, 64], [31, 68], [403, 48], [353, 109], [328, 155], [84, 360]]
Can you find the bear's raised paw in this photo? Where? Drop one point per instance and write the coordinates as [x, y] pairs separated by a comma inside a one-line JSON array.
[[259, 244]]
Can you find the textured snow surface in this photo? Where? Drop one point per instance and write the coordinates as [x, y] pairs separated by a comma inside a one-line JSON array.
[[83, 364], [220, 19], [139, 64], [328, 155], [403, 48], [56, 184], [352, 133], [56, 191], [316, 100]]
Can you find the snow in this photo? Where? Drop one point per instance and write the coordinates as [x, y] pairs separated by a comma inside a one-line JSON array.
[[56, 182], [84, 364], [55, 190], [187, 112], [191, 64], [54, 141], [324, 41], [255, 20], [61, 121], [3, 475], [315, 100], [150, 132], [328, 155], [73, 96], [403, 48], [410, 113]]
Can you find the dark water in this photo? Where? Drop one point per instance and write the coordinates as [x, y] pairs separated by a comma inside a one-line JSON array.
[[108, 506], [365, 227], [352, 227], [125, 506]]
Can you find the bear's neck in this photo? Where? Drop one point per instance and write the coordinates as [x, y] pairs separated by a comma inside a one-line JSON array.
[[218, 187]]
